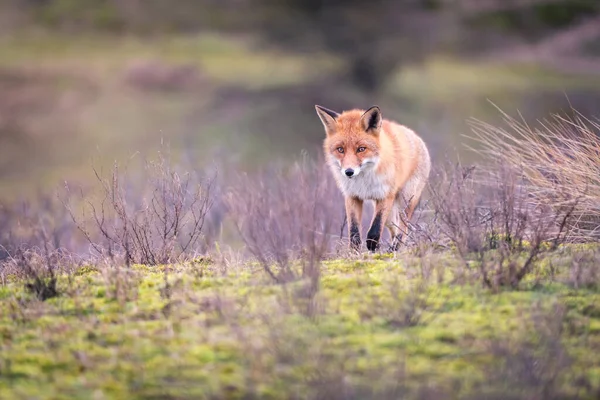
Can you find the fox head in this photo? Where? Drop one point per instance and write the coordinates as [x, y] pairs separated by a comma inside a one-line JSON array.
[[352, 141]]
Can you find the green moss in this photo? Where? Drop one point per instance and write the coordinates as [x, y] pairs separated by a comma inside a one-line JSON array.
[[117, 333], [86, 270]]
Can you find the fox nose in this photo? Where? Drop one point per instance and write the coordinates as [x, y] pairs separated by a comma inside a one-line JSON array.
[[349, 172]]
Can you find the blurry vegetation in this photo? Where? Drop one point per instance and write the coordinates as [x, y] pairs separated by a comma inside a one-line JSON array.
[[494, 295], [107, 78], [372, 40], [169, 284], [537, 18]]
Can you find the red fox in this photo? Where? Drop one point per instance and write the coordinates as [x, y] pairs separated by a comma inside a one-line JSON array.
[[375, 159]]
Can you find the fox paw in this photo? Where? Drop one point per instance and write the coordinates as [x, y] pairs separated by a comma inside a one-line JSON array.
[[396, 243], [372, 243], [355, 243]]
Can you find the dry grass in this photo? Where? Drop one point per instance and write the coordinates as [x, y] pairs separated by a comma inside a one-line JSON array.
[[560, 159]]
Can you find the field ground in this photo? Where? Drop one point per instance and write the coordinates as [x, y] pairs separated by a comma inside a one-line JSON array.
[[376, 327]]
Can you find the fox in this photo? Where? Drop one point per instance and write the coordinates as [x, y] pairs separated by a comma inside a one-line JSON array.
[[374, 159]]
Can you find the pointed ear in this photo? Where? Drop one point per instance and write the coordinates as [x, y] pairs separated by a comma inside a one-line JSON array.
[[371, 119], [328, 118]]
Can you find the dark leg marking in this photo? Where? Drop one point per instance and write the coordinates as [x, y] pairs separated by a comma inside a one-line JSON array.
[[354, 234], [374, 233]]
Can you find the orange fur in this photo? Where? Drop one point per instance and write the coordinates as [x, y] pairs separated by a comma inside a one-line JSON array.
[[375, 159]]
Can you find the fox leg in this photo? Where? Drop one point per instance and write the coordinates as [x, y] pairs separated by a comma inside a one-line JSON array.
[[354, 208], [383, 208], [393, 226], [407, 215]]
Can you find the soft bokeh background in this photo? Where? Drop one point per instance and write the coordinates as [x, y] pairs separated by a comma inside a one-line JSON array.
[[234, 82]]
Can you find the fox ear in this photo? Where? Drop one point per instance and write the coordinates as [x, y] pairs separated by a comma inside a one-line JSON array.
[[371, 119], [328, 118]]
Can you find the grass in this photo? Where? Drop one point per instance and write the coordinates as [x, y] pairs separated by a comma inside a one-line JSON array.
[[201, 330]]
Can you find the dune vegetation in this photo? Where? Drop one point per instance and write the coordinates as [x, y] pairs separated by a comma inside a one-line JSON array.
[[198, 286], [169, 231]]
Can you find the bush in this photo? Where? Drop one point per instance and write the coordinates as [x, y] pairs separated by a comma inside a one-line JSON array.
[[158, 223], [284, 216], [493, 222]]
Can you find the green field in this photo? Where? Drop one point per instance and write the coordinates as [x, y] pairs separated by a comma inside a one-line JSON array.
[[378, 326]]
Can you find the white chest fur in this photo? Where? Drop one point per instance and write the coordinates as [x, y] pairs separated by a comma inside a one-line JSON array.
[[368, 185]]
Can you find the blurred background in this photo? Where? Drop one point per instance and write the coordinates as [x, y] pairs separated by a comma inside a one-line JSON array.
[[234, 82]]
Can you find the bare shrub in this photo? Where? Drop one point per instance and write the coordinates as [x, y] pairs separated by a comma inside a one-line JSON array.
[[38, 269], [424, 233], [584, 271], [157, 223], [36, 240], [43, 222], [457, 205], [560, 155], [286, 216], [493, 221]]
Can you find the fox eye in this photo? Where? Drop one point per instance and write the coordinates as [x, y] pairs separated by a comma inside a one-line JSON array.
[[361, 149], [340, 150]]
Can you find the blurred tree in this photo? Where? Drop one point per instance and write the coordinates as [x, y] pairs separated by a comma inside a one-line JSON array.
[[372, 38], [531, 19], [557, 33]]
